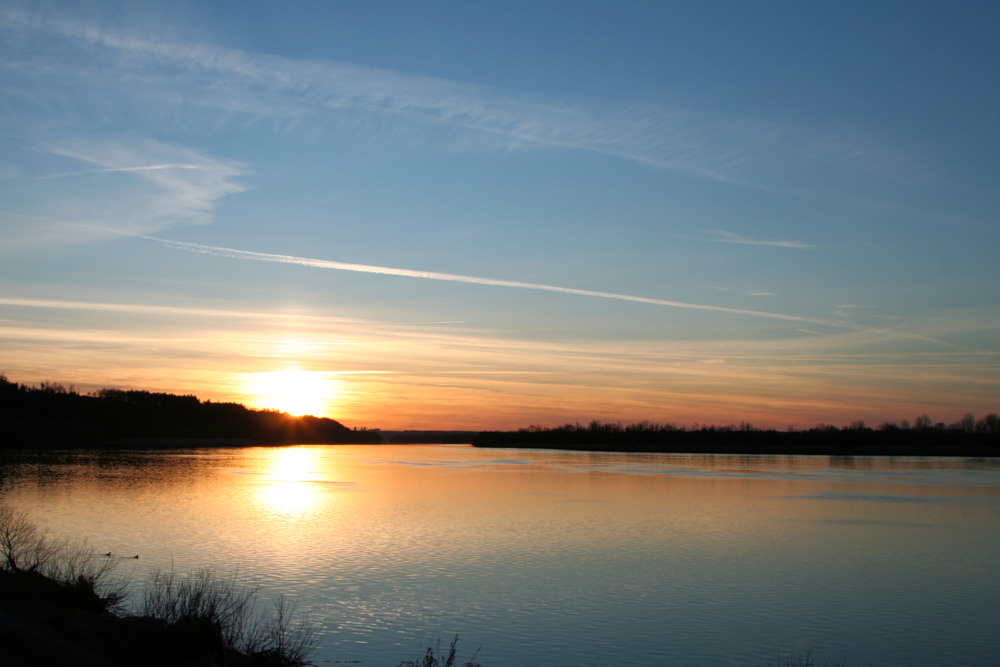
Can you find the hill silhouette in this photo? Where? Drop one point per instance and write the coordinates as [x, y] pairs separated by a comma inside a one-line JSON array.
[[52, 416]]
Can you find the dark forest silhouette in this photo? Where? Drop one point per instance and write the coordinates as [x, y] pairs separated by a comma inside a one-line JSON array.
[[967, 437], [51, 415]]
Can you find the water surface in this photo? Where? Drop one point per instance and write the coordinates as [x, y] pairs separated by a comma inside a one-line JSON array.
[[562, 558]]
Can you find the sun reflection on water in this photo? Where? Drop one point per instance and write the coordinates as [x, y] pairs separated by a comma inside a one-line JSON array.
[[291, 482]]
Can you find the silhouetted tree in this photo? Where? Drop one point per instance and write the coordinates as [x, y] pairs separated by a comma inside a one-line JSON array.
[[990, 424], [856, 439], [51, 415]]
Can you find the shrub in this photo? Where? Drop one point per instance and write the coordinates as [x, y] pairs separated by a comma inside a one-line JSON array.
[[202, 618], [24, 548], [803, 660], [434, 657], [212, 613]]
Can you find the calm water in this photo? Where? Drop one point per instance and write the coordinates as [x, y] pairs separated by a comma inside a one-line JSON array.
[[554, 558]]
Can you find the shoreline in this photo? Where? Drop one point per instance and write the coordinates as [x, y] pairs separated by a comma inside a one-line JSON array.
[[750, 442], [46, 621], [63, 604]]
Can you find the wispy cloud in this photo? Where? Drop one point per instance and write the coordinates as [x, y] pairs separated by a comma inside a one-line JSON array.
[[141, 308], [184, 183], [159, 76], [108, 170], [729, 237], [799, 379], [134, 184]]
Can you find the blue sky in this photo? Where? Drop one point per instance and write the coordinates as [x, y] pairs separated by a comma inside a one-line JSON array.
[[481, 215]]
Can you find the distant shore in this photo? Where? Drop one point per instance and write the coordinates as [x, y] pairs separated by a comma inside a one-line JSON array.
[[935, 441]]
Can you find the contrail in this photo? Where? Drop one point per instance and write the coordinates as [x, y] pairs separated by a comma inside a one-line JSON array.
[[234, 253]]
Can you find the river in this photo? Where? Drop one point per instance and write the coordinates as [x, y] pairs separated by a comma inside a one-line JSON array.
[[561, 558]]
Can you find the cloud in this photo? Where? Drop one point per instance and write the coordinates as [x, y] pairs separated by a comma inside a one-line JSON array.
[[729, 237], [84, 66], [137, 308], [132, 184], [108, 170], [184, 184], [210, 352]]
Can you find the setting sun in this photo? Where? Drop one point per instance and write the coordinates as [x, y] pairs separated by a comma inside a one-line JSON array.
[[294, 391]]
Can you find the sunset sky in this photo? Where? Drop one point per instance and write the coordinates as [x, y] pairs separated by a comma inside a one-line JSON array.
[[496, 214]]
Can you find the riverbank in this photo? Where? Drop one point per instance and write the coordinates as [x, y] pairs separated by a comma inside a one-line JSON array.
[[47, 622], [68, 624], [63, 604]]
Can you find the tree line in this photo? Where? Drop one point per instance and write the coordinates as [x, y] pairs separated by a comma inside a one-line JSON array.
[[966, 437], [52, 415]]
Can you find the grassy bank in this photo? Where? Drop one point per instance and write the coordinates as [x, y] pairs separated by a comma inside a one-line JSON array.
[[62, 604]]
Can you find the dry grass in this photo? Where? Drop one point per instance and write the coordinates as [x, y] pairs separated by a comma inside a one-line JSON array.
[[435, 658], [201, 618], [803, 660], [222, 612], [24, 548]]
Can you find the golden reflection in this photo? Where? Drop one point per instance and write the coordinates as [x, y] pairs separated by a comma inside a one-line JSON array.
[[290, 482]]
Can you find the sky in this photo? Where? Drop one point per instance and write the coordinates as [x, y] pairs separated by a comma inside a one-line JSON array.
[[489, 215]]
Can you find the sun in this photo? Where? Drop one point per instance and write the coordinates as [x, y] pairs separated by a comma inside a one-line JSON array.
[[294, 391]]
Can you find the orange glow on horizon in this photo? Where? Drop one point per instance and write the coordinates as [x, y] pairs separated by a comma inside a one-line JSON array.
[[294, 391], [396, 377]]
